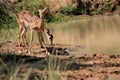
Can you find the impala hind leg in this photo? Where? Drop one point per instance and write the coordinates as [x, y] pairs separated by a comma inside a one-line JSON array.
[[24, 40], [31, 40], [23, 36], [19, 39]]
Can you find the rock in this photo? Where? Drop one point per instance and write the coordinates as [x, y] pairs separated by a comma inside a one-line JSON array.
[[15, 1], [0, 45]]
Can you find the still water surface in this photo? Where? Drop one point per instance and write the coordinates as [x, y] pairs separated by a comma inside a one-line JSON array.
[[98, 35]]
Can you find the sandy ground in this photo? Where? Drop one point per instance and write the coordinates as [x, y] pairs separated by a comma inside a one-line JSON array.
[[96, 67], [85, 67]]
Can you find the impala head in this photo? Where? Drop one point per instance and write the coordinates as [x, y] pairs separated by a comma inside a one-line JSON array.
[[41, 12]]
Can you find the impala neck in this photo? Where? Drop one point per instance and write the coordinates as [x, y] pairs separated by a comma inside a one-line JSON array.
[[41, 20], [41, 17]]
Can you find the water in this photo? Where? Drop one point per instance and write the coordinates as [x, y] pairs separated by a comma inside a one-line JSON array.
[[98, 35]]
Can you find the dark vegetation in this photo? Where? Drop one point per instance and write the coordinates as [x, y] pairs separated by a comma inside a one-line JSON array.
[[8, 8], [5, 17]]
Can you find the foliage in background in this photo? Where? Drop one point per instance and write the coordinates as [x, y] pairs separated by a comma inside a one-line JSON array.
[[72, 10], [67, 10], [5, 16], [29, 5], [8, 10], [107, 7]]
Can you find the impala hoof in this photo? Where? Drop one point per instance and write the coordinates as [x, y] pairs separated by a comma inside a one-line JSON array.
[[48, 53], [29, 52], [19, 51]]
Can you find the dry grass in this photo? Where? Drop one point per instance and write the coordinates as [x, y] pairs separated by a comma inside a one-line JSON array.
[[56, 4], [11, 71], [22, 69]]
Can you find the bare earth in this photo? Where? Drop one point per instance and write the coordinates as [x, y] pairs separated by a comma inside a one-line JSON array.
[[85, 67]]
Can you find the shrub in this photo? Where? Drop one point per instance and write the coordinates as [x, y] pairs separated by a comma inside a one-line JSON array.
[[68, 10], [99, 11], [107, 7], [5, 17], [29, 5], [49, 17], [83, 11], [59, 18]]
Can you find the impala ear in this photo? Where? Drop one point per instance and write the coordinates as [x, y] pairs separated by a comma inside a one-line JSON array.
[[43, 10]]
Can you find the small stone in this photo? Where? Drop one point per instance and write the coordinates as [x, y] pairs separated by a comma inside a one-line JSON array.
[[112, 56], [94, 55], [0, 45], [81, 79]]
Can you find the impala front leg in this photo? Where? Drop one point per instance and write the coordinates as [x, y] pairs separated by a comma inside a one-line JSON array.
[[31, 40], [44, 45], [40, 41]]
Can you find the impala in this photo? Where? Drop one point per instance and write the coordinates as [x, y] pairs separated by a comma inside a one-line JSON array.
[[27, 20]]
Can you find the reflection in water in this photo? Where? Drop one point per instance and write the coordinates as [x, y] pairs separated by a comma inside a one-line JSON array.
[[99, 35]]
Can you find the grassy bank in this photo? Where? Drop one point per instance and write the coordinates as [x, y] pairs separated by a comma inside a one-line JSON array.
[[28, 68]]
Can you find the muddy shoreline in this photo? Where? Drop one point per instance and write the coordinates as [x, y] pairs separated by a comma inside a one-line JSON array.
[[84, 67]]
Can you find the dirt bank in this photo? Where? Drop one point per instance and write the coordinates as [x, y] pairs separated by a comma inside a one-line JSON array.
[[95, 67], [85, 67], [10, 47]]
